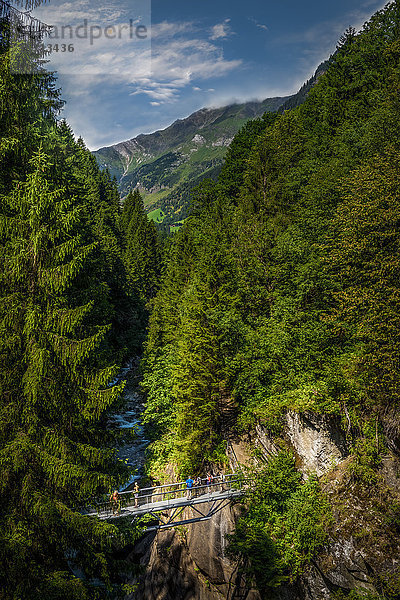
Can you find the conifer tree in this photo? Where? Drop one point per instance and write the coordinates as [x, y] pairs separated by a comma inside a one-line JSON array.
[[196, 384], [60, 244], [29, 102], [142, 256], [53, 396]]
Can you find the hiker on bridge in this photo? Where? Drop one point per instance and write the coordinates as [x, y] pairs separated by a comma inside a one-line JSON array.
[[197, 485], [222, 479], [136, 493], [209, 481], [114, 500], [189, 485]]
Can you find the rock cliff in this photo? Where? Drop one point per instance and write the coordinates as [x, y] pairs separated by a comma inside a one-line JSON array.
[[190, 563]]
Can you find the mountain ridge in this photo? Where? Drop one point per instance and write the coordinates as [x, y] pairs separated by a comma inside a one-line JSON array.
[[167, 164], [178, 152]]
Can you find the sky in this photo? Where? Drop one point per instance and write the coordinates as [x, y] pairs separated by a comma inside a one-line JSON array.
[[135, 66]]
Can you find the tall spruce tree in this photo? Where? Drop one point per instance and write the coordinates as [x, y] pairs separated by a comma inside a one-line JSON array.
[[55, 345], [142, 255], [29, 100], [53, 455]]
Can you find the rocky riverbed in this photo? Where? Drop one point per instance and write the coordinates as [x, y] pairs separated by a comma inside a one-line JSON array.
[[133, 449]]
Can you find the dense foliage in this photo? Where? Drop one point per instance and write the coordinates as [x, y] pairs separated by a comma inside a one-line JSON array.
[[281, 291], [68, 316], [142, 248], [284, 527]]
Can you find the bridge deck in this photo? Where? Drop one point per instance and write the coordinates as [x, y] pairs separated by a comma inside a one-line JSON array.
[[164, 505], [170, 496]]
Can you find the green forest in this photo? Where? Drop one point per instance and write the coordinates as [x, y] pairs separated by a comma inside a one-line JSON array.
[[76, 274], [280, 292]]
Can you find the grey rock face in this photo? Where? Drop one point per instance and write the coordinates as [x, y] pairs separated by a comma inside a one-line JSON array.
[[317, 440], [190, 563], [264, 442]]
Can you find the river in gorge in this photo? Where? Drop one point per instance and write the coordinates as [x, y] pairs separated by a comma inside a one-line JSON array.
[[129, 418]]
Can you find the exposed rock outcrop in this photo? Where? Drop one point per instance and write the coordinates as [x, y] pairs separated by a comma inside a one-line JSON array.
[[190, 563], [364, 545], [364, 541], [318, 441]]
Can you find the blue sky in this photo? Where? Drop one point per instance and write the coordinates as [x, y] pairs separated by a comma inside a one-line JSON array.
[[207, 53]]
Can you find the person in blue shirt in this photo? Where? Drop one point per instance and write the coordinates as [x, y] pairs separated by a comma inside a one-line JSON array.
[[189, 485]]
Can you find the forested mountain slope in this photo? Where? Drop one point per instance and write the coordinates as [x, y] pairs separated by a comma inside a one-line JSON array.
[[282, 292], [167, 164]]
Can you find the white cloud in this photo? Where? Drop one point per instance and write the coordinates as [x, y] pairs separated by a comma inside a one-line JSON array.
[[221, 30], [98, 38], [76, 11], [155, 103], [174, 56], [196, 89], [176, 63], [160, 92], [168, 29], [259, 25]]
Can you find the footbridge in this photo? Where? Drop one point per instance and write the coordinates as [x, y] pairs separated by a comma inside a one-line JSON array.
[[165, 504]]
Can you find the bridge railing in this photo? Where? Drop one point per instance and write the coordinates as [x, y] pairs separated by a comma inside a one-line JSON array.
[[146, 497]]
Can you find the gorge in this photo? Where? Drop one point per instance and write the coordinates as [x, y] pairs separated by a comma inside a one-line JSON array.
[[264, 312]]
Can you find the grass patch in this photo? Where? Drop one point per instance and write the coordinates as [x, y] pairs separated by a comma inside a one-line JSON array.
[[156, 215]]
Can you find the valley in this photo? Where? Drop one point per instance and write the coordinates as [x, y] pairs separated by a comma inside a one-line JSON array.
[[166, 165]]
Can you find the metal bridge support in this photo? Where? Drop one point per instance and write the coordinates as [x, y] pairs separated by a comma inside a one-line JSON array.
[[170, 521]]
